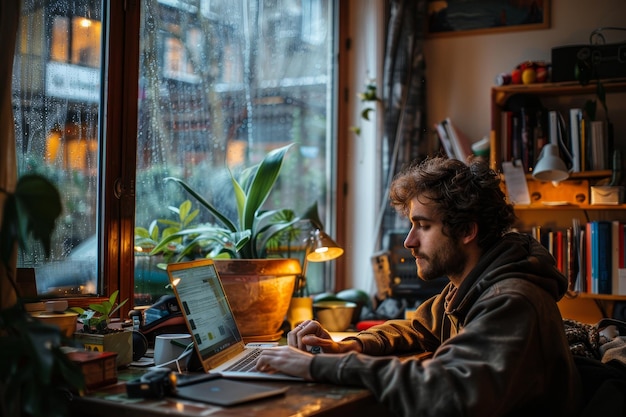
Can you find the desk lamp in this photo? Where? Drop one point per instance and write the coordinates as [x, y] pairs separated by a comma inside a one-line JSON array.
[[319, 248], [550, 167]]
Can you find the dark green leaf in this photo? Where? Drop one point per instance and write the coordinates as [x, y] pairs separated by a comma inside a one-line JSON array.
[[223, 219], [39, 201], [263, 183]]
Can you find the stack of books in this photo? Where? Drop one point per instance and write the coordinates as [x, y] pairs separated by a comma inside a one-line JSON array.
[[592, 256], [584, 144], [455, 143]]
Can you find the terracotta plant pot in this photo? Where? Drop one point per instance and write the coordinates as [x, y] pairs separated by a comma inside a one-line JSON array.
[[259, 292]]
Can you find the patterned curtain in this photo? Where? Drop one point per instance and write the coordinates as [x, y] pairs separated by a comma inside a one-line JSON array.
[[404, 97]]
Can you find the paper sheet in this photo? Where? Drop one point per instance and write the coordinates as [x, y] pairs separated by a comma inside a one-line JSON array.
[[516, 186]]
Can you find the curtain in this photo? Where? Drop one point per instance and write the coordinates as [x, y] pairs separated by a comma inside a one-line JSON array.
[[404, 96], [9, 19]]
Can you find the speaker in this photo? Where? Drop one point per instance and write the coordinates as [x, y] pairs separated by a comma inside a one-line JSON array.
[[588, 62]]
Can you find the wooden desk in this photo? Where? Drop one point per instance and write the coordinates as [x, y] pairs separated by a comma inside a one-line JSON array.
[[302, 399]]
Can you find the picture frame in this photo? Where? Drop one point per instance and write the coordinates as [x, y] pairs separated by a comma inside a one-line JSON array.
[[474, 17]]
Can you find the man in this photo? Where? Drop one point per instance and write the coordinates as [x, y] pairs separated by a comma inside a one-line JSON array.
[[495, 332]]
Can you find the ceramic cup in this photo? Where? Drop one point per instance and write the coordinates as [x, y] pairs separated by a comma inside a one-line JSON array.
[[168, 347]]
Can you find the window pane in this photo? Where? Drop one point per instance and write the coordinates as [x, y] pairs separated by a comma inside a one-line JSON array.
[[221, 84], [56, 102]]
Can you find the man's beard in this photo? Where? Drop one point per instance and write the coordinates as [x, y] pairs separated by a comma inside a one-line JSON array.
[[447, 260]]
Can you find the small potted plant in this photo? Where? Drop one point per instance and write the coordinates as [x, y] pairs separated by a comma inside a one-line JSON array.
[[97, 334]]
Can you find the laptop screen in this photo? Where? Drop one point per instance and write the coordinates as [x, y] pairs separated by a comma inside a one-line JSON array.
[[205, 306]]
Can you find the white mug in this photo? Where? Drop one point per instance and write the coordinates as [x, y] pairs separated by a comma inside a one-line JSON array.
[[169, 347]]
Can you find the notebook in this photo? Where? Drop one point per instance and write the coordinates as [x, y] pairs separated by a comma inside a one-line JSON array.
[[226, 392], [211, 322]]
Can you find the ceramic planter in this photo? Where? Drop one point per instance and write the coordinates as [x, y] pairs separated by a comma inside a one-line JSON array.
[[259, 292]]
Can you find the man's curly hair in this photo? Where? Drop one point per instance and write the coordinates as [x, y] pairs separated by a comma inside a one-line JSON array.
[[462, 194]]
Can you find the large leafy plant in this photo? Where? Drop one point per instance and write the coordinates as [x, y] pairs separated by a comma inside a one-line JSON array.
[[248, 236], [34, 371]]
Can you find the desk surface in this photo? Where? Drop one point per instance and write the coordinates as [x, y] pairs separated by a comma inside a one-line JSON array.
[[302, 399]]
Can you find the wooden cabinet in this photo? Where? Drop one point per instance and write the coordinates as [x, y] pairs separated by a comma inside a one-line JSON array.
[[555, 206]]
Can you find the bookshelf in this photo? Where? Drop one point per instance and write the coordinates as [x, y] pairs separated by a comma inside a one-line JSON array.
[[583, 306]]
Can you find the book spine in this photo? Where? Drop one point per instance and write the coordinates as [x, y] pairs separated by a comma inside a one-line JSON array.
[[617, 238], [575, 115], [553, 126], [570, 258], [445, 141], [558, 250], [505, 134], [461, 144], [598, 146], [588, 287], [603, 255], [621, 271]]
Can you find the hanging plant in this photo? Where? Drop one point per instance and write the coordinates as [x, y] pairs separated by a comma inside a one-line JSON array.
[[369, 95]]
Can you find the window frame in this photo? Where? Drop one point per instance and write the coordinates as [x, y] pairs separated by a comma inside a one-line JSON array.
[[118, 157]]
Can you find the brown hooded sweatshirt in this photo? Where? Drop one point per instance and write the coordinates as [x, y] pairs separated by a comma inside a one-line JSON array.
[[498, 344]]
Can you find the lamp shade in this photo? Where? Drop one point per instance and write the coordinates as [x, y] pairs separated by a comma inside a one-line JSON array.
[[550, 167], [323, 248]]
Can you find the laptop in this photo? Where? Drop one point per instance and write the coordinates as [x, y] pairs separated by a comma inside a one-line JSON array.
[[210, 320]]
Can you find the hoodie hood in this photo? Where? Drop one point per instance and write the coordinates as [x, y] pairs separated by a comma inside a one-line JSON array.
[[515, 255]]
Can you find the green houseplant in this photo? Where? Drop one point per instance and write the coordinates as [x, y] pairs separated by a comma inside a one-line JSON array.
[[259, 286], [246, 237], [34, 370], [97, 335]]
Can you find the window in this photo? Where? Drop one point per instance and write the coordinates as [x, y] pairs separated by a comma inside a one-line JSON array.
[[56, 106], [219, 84]]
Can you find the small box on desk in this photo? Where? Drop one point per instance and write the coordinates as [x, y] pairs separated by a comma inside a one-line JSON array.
[[99, 368], [609, 195]]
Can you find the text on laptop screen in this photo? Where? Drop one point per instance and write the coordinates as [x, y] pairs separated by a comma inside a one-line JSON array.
[[210, 319]]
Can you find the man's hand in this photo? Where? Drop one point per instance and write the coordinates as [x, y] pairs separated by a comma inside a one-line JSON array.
[[310, 334], [287, 360]]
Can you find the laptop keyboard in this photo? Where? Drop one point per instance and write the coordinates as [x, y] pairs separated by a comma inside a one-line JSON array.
[[247, 363]]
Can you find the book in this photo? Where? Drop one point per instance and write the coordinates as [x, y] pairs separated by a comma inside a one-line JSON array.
[[461, 144], [559, 136], [445, 141], [527, 141], [540, 135], [575, 117], [553, 126], [577, 261], [570, 257], [587, 287], [597, 146], [617, 254], [506, 125], [558, 250], [601, 264]]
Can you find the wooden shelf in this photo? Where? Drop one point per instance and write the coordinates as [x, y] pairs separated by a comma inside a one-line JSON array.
[[540, 206], [502, 93], [610, 297]]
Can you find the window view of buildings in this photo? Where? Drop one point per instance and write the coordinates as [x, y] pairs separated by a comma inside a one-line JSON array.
[[221, 83]]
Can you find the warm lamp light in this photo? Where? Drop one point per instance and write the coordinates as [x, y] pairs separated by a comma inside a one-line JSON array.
[[550, 167], [319, 248], [323, 248]]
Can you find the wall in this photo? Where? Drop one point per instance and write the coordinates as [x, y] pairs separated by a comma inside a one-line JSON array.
[[363, 195], [461, 69]]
